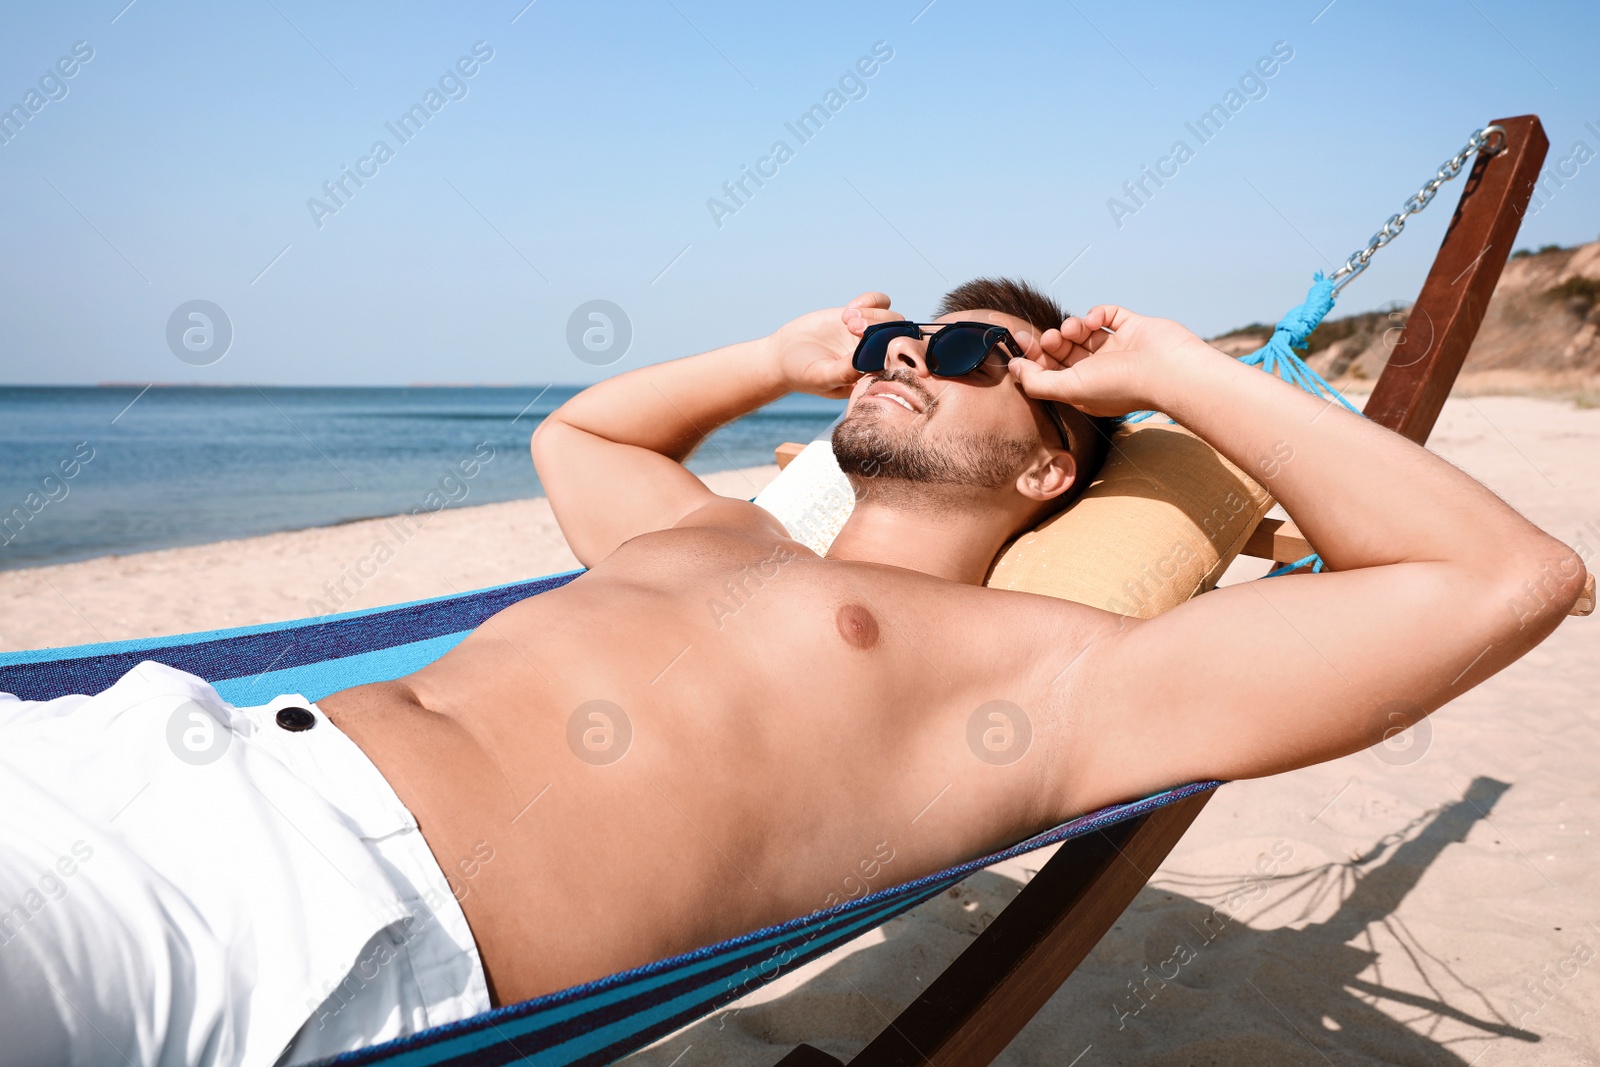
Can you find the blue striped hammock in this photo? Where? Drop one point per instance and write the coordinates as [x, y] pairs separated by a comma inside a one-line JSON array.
[[593, 1023]]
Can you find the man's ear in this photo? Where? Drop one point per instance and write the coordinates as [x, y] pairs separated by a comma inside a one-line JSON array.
[[1051, 476]]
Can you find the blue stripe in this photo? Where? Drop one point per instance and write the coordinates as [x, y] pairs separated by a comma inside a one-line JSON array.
[[566, 1033], [246, 651], [316, 680]]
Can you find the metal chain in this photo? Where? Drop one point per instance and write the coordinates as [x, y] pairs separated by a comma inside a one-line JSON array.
[[1480, 141]]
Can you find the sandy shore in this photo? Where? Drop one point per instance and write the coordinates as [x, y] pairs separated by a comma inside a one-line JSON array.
[[1440, 907], [294, 575]]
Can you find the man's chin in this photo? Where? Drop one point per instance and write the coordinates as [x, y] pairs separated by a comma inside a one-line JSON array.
[[874, 446], [865, 441]]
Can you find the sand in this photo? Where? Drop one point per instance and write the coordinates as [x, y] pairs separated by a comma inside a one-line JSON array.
[[293, 575], [1438, 907]]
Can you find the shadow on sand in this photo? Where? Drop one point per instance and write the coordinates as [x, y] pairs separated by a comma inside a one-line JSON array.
[[1311, 990]]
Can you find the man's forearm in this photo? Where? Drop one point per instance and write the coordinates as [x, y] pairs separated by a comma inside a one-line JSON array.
[[669, 408], [1362, 495], [611, 459]]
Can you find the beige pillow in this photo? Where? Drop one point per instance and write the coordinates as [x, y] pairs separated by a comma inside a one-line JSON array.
[[1160, 524]]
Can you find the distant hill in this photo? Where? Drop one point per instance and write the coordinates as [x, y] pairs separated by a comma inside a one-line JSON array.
[[1541, 333]]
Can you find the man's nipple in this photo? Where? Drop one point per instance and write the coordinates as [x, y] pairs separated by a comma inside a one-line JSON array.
[[857, 626]]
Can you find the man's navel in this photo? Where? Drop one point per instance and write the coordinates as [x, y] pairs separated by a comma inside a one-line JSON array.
[[857, 626]]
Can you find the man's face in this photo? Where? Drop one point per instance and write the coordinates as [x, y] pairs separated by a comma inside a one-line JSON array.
[[979, 430]]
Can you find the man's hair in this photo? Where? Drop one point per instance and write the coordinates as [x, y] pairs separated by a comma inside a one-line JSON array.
[[1005, 295], [1018, 298]]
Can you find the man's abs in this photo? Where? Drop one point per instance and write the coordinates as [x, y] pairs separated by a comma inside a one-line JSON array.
[[706, 733]]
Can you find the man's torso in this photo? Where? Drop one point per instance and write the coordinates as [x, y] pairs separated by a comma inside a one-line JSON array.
[[711, 731]]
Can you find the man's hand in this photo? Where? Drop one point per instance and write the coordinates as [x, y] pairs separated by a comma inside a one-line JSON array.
[[1109, 361], [611, 458], [813, 352]]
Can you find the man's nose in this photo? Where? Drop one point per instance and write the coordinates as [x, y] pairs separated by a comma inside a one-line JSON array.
[[907, 353]]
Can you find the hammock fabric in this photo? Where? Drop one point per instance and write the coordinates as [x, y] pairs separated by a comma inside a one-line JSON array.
[[589, 1024]]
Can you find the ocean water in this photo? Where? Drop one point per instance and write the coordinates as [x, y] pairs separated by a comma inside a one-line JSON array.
[[83, 473]]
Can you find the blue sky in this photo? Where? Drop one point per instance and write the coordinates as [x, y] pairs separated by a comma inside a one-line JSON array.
[[578, 161]]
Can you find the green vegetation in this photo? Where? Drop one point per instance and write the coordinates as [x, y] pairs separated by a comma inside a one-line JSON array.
[[1523, 253], [1257, 331], [1579, 293], [1332, 331]]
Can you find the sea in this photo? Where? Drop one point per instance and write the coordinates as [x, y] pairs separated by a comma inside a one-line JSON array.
[[96, 470]]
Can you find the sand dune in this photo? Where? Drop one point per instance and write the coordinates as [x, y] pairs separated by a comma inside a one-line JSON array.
[[1540, 334]]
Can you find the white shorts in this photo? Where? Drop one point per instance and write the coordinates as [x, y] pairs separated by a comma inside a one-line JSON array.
[[186, 882]]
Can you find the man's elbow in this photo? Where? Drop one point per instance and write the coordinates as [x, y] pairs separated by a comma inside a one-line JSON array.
[[1541, 582], [542, 444]]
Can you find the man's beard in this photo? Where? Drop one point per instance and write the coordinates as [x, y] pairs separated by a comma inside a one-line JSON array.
[[879, 457]]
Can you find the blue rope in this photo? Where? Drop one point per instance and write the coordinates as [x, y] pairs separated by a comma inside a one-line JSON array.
[[1278, 357], [1313, 561]]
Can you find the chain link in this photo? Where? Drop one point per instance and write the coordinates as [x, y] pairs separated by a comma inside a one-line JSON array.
[[1491, 139]]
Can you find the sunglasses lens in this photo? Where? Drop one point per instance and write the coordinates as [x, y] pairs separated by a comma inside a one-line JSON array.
[[873, 350], [957, 350]]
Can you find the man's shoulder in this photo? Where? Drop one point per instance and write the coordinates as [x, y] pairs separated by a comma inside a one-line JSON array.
[[723, 530], [733, 517]]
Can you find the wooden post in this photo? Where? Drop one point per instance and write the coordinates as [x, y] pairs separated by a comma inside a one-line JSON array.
[[1439, 331], [973, 1010]]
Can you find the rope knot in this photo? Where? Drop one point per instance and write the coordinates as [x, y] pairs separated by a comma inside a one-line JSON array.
[[1277, 356], [1295, 327]]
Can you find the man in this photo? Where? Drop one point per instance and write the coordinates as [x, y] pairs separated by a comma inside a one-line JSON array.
[[617, 770], [773, 749]]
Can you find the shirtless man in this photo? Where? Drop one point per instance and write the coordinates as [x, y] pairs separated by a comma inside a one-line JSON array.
[[774, 747]]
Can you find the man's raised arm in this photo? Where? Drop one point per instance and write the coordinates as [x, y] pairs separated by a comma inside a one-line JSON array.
[[1434, 583], [611, 458]]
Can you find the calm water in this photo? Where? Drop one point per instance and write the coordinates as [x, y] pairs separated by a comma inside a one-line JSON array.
[[83, 474]]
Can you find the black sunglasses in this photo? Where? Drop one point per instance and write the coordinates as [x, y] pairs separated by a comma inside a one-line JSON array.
[[954, 349]]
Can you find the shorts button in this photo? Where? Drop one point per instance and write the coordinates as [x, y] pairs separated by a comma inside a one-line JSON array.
[[296, 719]]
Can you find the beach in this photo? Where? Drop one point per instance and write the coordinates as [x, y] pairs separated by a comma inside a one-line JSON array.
[[1434, 905]]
